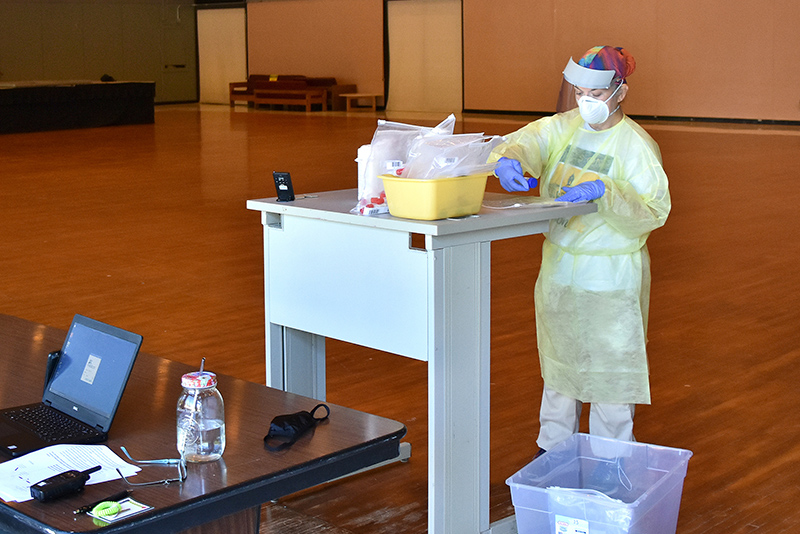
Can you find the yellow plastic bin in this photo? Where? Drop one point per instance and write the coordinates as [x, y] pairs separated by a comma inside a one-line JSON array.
[[438, 198]]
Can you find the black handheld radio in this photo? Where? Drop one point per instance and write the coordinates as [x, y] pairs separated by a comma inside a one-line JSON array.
[[62, 484]]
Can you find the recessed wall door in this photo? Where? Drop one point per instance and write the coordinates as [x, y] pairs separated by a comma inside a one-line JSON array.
[[425, 65], [222, 51]]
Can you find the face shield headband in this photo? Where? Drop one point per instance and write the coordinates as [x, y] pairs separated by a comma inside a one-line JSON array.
[[590, 78]]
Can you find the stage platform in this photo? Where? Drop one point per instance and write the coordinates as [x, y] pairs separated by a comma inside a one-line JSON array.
[[32, 106]]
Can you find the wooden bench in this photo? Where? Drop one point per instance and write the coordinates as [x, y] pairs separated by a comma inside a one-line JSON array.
[[263, 89], [300, 97], [355, 97]]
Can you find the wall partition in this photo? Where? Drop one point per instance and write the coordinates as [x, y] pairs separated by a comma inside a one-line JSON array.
[[342, 38], [129, 40], [425, 71], [222, 51], [716, 59]]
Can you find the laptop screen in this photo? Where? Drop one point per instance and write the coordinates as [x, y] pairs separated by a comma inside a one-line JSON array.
[[94, 368]]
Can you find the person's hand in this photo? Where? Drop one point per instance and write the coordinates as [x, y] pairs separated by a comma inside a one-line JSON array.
[[583, 192], [510, 173]]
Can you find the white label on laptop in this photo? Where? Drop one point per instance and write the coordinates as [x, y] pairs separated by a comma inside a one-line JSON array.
[[90, 371], [568, 525]]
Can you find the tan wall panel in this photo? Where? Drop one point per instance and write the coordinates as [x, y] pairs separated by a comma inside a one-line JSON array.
[[631, 24], [222, 52], [513, 58], [425, 52], [709, 57], [785, 79], [716, 58], [509, 56], [343, 39]]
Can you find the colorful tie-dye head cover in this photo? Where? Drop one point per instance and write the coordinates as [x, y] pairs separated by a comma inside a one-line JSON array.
[[609, 58]]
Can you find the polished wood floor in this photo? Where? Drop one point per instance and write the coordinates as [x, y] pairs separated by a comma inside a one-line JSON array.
[[145, 227]]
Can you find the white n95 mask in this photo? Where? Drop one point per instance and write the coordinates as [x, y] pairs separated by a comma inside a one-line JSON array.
[[595, 111]]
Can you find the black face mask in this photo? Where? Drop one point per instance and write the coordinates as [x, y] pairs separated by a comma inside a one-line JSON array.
[[284, 430]]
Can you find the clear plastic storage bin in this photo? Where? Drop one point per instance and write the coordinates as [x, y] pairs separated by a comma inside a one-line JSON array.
[[593, 485]]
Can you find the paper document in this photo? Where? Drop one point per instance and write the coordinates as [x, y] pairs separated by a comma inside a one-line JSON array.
[[520, 202], [18, 475]]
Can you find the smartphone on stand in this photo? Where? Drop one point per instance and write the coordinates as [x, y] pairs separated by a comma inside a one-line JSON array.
[[283, 185]]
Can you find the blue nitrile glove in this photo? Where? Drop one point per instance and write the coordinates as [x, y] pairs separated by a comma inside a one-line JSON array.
[[510, 173], [583, 192]]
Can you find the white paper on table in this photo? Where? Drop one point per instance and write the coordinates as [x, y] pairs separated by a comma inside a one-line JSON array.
[[522, 201], [18, 475]]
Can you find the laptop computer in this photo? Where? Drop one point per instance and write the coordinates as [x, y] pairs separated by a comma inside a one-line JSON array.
[[81, 394]]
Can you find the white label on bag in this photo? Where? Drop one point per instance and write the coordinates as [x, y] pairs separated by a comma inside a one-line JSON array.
[[376, 210], [568, 525], [442, 161], [394, 164]]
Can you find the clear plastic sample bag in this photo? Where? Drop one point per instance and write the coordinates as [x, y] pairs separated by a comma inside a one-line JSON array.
[[388, 154]]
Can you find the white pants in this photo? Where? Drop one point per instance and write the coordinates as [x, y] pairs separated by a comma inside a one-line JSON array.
[[560, 417]]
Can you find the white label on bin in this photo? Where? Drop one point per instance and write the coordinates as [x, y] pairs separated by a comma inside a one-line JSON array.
[[568, 525]]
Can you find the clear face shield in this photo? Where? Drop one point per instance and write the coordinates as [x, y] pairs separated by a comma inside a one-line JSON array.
[[593, 110]]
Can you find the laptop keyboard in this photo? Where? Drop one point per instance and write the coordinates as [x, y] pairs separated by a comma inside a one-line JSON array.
[[50, 424]]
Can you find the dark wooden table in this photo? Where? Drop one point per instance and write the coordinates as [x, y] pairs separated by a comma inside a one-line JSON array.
[[223, 496], [35, 106]]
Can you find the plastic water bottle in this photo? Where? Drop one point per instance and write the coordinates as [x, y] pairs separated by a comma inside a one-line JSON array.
[[201, 418]]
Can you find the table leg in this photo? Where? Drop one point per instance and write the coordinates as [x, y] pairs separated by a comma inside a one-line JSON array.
[[296, 361], [458, 389], [304, 364], [244, 522]]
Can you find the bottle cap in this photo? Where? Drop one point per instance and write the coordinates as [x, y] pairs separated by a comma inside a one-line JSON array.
[[199, 379]]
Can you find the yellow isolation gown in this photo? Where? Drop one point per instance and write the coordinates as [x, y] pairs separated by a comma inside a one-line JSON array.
[[592, 294]]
